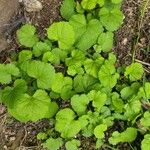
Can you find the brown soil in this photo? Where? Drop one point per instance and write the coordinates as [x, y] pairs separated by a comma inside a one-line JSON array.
[[48, 15], [15, 135], [126, 36]]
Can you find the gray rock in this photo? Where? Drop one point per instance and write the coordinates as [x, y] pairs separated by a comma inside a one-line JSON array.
[[32, 5], [7, 9], [3, 43]]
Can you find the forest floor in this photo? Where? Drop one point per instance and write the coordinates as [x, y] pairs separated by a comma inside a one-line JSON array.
[[19, 136]]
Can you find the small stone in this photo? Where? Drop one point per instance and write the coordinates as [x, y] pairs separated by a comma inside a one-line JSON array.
[[125, 40], [5, 147], [2, 108], [12, 138], [32, 5], [140, 45], [143, 41]]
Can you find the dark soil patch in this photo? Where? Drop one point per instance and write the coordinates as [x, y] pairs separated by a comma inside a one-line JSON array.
[[45, 17], [144, 42], [16, 135], [126, 36]]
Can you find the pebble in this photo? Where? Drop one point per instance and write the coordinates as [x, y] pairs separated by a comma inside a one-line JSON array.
[[143, 40], [2, 108], [12, 138], [125, 40], [32, 5], [5, 147]]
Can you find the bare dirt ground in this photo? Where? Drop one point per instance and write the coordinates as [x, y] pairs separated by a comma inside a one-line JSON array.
[[127, 34], [18, 136]]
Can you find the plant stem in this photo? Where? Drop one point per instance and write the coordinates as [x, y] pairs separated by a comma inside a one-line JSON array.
[[142, 62]]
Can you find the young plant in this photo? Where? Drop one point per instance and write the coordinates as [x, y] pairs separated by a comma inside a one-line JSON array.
[[72, 78]]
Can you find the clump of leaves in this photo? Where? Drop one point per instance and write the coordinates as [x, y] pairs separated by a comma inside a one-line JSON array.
[[145, 143], [128, 135], [71, 77], [66, 123], [72, 145], [134, 71], [53, 144]]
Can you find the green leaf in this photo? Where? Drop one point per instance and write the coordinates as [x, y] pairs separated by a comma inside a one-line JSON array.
[[33, 108], [132, 108], [75, 69], [49, 57], [72, 145], [105, 111], [25, 55], [23, 60], [75, 62], [54, 95], [59, 54], [146, 142], [56, 56], [84, 83], [145, 121], [99, 143], [86, 34], [79, 24], [84, 121], [43, 72], [26, 35], [79, 103], [53, 144], [40, 48], [89, 122], [98, 99], [67, 9], [67, 92], [6, 73], [134, 71], [60, 82], [144, 91], [63, 33], [65, 123], [79, 8], [129, 135], [116, 1], [12, 94], [101, 2], [108, 75], [90, 36], [105, 41], [41, 136], [128, 91], [92, 67], [88, 131], [117, 102], [111, 19], [99, 131], [89, 4], [63, 86], [109, 121], [112, 58], [67, 83]]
